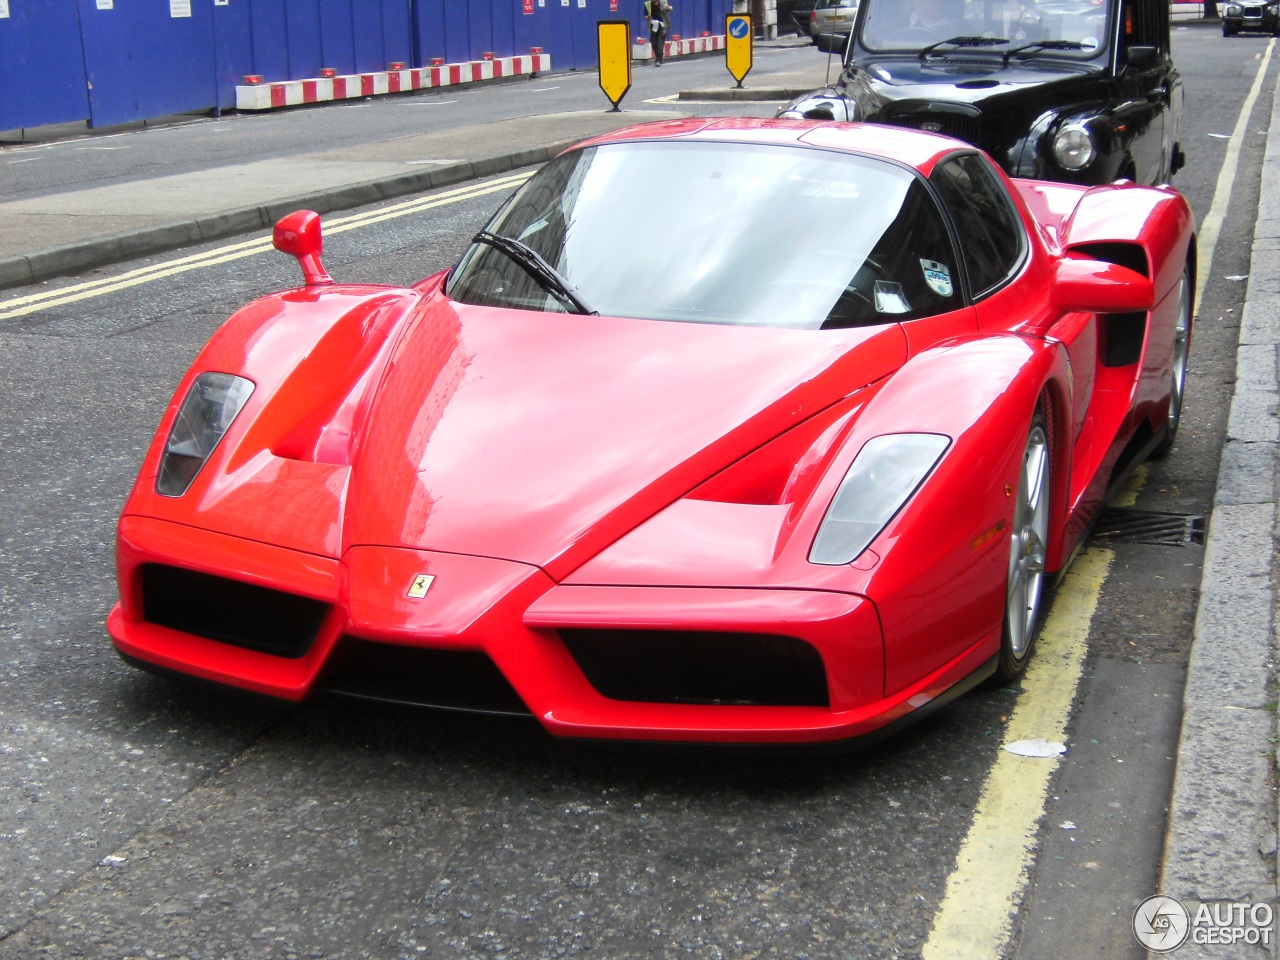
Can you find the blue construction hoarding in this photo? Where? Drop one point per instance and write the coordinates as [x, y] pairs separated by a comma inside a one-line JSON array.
[[115, 61]]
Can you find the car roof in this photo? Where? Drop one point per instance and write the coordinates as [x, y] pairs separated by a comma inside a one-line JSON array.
[[914, 148]]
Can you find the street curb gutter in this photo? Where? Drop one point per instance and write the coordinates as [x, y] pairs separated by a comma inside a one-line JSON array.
[[75, 257], [1221, 841]]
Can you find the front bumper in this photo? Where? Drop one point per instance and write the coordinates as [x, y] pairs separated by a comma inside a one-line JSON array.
[[492, 634], [1253, 19]]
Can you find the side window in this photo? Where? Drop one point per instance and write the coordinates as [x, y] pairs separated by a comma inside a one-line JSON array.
[[991, 232], [1146, 24], [910, 271]]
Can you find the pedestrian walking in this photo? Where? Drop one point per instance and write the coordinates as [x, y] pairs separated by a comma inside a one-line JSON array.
[[658, 13]]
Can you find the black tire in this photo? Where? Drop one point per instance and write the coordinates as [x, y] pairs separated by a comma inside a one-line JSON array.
[[1181, 351], [1028, 539]]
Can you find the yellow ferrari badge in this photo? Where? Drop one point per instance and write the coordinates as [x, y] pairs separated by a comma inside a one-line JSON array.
[[421, 584]]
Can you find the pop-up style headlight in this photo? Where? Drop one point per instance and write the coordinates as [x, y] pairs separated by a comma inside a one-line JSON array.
[[204, 417], [882, 478]]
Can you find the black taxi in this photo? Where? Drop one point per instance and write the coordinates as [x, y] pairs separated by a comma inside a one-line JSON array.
[[1081, 91]]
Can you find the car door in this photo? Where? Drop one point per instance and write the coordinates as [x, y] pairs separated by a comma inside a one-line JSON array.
[[1145, 75]]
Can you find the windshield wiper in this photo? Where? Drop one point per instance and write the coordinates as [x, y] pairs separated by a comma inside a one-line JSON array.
[[1044, 45], [531, 262], [962, 42]]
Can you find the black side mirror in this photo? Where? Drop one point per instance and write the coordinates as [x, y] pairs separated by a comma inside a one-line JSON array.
[[1141, 56]]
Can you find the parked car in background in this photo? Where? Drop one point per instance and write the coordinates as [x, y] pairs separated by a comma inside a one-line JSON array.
[[1250, 18], [793, 16], [831, 22], [1080, 91]]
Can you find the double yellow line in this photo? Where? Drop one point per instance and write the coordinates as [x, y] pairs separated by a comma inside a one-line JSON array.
[[45, 300]]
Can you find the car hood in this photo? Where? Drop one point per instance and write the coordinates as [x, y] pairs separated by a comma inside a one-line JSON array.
[[542, 438], [972, 81]]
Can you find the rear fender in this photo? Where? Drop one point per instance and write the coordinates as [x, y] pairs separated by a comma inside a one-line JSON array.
[[1158, 220]]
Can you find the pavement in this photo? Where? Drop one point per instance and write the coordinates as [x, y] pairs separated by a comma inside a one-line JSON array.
[[1221, 841]]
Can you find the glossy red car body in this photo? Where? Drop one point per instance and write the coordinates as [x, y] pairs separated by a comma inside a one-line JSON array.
[[578, 485]]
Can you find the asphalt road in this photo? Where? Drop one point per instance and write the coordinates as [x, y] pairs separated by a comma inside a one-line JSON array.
[[141, 818]]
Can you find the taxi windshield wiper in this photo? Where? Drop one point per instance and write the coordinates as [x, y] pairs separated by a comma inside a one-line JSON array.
[[1044, 45], [962, 42], [531, 262]]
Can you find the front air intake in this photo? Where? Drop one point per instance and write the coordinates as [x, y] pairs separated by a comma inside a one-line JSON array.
[[466, 680], [240, 614], [678, 666]]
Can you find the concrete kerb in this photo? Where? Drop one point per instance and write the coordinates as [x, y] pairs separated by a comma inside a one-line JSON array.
[[72, 258], [1222, 833], [746, 93]]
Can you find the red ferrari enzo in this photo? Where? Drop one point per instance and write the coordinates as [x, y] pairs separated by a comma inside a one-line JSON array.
[[721, 430]]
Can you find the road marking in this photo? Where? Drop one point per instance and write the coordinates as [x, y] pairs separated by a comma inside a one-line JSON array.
[[1208, 233], [34, 303], [985, 889], [1128, 496]]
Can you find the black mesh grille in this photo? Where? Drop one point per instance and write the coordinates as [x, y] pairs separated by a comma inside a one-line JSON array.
[[449, 679], [968, 129], [669, 666], [229, 611]]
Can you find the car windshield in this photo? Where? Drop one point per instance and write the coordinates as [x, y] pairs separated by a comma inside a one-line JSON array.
[[1071, 29], [747, 234]]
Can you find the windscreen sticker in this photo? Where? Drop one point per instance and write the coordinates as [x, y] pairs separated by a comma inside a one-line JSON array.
[[890, 298], [937, 276]]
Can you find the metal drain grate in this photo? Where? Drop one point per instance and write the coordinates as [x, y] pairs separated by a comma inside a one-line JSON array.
[[1145, 526]]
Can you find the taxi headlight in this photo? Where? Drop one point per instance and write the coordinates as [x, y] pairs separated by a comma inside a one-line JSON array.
[[206, 413], [1073, 147]]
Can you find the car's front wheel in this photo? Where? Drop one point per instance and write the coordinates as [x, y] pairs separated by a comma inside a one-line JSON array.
[[1028, 552]]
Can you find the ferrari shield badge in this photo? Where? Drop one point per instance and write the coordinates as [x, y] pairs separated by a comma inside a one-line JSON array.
[[937, 276], [421, 584]]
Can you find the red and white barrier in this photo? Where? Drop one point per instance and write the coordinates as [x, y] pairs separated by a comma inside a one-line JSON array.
[[292, 93], [643, 50]]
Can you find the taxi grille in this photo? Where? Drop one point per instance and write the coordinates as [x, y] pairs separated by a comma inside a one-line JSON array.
[[968, 129]]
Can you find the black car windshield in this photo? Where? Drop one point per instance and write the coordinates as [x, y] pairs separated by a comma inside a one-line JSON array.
[[733, 233], [1063, 29]]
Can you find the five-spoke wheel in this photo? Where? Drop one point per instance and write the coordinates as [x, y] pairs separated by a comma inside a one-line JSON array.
[[1027, 553]]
